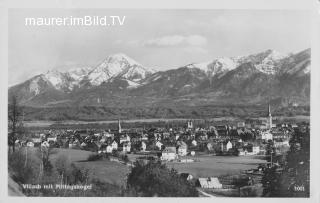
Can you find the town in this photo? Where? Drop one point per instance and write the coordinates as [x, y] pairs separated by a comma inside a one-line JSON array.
[[259, 141]]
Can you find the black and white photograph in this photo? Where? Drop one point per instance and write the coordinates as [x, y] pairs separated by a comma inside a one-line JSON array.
[[136, 102]]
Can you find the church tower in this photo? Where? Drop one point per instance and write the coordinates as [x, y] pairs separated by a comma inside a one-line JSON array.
[[119, 126], [269, 117]]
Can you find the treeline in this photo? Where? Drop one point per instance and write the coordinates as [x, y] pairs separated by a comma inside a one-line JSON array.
[[94, 113]]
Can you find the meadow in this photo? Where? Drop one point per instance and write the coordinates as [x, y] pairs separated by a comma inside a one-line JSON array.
[[209, 165], [102, 170]]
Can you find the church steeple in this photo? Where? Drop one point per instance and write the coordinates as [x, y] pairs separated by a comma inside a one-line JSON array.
[[269, 111], [119, 126], [269, 117]]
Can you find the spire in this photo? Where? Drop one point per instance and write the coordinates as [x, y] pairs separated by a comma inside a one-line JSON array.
[[269, 110], [119, 126], [269, 117]]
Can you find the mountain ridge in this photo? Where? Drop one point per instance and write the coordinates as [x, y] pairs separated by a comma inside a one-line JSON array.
[[119, 81]]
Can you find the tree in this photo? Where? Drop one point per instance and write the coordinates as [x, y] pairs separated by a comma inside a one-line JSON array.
[[20, 167], [15, 117], [270, 181], [247, 135], [44, 154], [297, 166], [294, 179], [155, 179], [270, 151]]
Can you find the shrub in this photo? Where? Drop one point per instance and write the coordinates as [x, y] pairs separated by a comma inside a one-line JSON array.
[[78, 175], [94, 157], [125, 158], [155, 179], [20, 166], [62, 164]]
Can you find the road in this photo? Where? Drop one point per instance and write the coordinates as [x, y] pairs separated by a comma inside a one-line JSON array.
[[205, 194]]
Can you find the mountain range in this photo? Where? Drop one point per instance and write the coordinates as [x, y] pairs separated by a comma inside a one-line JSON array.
[[119, 82]]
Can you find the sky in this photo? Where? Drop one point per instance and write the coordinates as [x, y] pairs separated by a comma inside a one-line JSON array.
[[160, 39]]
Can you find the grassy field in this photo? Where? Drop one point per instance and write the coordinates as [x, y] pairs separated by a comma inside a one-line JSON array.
[[103, 170], [107, 171], [72, 155], [209, 165]]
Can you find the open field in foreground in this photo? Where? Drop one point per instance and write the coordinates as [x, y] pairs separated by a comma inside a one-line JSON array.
[[103, 170], [209, 165], [113, 172]]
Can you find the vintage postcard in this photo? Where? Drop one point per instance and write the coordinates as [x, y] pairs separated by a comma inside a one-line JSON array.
[[159, 102]]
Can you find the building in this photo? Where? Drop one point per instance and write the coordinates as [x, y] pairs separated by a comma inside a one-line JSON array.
[[222, 130], [182, 148], [45, 144], [157, 136], [124, 138], [190, 125], [229, 146], [243, 152], [30, 144], [107, 134], [266, 135], [159, 145], [284, 143], [36, 140], [52, 139], [186, 176], [119, 127], [241, 124], [269, 119], [280, 135], [83, 145], [114, 145], [144, 137], [211, 182], [109, 149], [126, 147], [143, 146], [169, 154], [255, 150]]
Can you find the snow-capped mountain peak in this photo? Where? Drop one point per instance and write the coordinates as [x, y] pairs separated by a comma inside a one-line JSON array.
[[114, 66], [55, 77], [120, 57], [269, 62], [266, 62], [118, 65]]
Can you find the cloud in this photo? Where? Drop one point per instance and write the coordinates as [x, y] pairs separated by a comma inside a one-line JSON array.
[[119, 41], [175, 40], [195, 50]]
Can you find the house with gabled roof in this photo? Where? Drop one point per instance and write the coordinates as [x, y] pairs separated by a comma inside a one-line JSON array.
[[169, 154], [114, 145], [143, 146], [159, 145], [182, 148]]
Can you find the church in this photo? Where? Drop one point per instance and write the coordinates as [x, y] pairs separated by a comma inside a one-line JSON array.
[[269, 119]]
